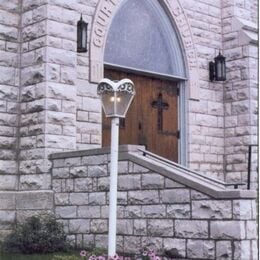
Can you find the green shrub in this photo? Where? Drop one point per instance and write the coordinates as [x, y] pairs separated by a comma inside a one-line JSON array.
[[66, 257], [38, 234]]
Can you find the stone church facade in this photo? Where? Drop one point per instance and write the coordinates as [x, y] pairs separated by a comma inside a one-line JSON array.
[[49, 104]]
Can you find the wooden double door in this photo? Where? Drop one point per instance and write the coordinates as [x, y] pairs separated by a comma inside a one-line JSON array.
[[152, 119]]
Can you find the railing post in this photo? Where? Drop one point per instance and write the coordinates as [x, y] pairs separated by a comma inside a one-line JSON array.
[[249, 167]]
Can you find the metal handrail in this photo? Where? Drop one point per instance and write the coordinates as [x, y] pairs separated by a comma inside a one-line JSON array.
[[189, 170], [249, 164]]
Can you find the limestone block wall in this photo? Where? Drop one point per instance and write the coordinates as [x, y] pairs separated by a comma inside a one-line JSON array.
[[240, 89], [9, 91], [48, 92], [206, 115], [153, 211]]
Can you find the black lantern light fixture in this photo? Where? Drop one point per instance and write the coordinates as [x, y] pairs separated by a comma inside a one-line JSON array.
[[217, 69], [82, 29]]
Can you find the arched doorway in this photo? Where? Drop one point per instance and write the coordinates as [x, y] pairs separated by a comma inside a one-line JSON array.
[[143, 45]]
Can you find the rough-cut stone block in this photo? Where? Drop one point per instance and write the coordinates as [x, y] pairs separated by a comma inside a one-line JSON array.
[[60, 118], [103, 184], [83, 184], [129, 182], [201, 249], [125, 226], [99, 226], [154, 211], [175, 248], [191, 229], [8, 92], [61, 30], [227, 229], [66, 212], [162, 227], [59, 91], [242, 250], [97, 198], [143, 197], [223, 250], [91, 104], [79, 198], [88, 241], [122, 167], [178, 211], [79, 226], [68, 75], [172, 184], [95, 117], [7, 200], [7, 75], [8, 182], [67, 185], [121, 198], [242, 209], [251, 231], [140, 227], [132, 212], [212, 209], [78, 171], [152, 181], [135, 168], [61, 198], [175, 196], [62, 57], [97, 171], [89, 212], [7, 167], [34, 200], [35, 182], [60, 173]]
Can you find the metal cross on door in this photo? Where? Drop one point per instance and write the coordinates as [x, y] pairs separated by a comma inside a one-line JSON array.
[[152, 119], [160, 105]]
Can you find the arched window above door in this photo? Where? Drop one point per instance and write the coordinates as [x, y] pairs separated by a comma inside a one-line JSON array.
[[142, 37]]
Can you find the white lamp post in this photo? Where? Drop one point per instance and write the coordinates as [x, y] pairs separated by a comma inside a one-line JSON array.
[[116, 97]]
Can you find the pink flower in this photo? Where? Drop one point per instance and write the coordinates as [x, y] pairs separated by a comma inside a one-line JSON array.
[[115, 257], [93, 257], [101, 258], [145, 253], [83, 253]]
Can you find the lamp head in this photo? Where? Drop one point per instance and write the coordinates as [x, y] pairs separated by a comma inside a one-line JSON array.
[[116, 96]]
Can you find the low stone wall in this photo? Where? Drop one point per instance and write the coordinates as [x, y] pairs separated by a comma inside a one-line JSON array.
[[153, 210]]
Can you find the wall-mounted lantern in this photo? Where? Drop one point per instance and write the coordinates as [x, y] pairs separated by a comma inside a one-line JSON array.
[[217, 69], [82, 29]]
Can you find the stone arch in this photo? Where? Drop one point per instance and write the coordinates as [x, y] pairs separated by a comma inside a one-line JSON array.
[[102, 20]]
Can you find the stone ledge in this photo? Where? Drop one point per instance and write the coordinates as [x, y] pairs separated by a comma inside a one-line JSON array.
[[98, 151]]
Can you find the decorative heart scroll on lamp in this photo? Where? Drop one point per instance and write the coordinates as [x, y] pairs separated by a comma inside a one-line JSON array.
[[116, 97]]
